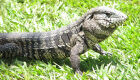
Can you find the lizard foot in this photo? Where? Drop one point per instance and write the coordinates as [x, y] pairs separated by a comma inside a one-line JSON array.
[[106, 53], [79, 72]]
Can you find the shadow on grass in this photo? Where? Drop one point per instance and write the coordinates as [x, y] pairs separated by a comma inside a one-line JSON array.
[[29, 61], [90, 62], [85, 65]]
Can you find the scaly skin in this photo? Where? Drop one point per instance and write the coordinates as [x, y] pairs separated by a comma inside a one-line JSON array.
[[71, 41]]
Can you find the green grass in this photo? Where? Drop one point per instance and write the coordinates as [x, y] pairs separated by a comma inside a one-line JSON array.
[[46, 15]]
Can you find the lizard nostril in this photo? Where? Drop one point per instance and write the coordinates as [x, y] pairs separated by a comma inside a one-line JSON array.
[[124, 17]]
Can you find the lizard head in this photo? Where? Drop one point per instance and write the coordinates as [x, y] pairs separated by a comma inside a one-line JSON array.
[[106, 17], [102, 21]]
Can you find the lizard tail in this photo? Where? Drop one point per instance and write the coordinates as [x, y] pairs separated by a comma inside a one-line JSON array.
[[8, 50]]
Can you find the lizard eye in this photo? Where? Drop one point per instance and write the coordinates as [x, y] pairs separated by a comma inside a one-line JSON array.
[[108, 14]]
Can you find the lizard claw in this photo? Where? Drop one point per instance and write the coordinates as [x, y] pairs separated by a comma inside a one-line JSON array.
[[79, 72], [106, 53], [109, 54]]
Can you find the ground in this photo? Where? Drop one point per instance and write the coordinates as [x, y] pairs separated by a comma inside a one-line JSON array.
[[46, 15]]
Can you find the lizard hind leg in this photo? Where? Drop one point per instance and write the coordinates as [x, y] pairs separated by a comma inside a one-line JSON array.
[[8, 50]]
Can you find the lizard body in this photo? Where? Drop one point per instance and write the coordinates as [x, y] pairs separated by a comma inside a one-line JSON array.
[[93, 27]]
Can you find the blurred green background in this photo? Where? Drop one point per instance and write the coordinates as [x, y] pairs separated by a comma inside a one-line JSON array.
[[47, 15]]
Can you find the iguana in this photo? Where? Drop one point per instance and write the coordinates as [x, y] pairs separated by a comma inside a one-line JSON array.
[[71, 41]]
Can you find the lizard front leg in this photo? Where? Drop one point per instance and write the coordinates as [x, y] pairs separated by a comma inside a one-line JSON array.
[[98, 49], [78, 47], [75, 57]]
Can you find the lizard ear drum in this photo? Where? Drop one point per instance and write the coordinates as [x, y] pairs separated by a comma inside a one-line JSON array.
[[81, 28]]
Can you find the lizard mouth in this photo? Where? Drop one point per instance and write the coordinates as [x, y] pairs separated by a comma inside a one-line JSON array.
[[115, 23], [119, 23], [108, 23]]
